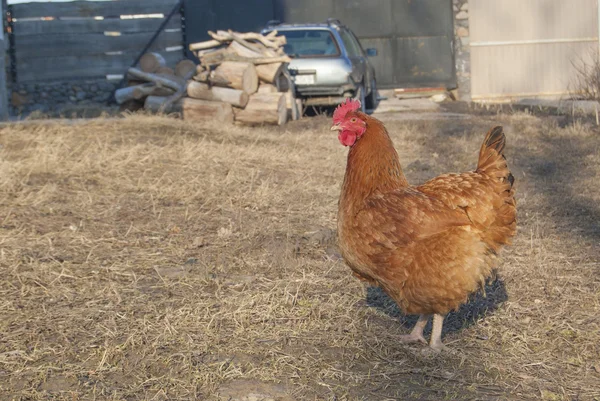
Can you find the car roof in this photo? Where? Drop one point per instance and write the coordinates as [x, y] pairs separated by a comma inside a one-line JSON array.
[[330, 24], [298, 26]]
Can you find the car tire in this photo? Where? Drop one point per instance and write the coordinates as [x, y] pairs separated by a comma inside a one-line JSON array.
[[372, 98], [360, 96]]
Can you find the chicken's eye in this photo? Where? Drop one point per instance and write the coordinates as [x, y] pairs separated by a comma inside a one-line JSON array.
[[353, 120]]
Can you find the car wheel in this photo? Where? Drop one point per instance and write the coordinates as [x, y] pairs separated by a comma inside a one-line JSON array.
[[372, 98], [360, 95]]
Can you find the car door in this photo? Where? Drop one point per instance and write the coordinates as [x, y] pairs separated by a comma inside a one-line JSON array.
[[355, 55]]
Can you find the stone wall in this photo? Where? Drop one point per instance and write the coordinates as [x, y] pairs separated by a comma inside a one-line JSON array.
[[55, 96], [462, 48]]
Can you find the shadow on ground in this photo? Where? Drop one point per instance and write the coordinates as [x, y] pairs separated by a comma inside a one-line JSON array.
[[468, 314], [560, 173]]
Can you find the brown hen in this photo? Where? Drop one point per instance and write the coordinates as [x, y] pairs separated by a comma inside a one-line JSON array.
[[429, 246]]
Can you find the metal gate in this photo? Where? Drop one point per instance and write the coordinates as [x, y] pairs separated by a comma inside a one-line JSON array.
[[529, 48], [413, 38]]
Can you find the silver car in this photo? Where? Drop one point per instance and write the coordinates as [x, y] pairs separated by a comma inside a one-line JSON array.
[[328, 63]]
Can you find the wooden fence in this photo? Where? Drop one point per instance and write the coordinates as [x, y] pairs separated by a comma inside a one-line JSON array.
[[89, 39]]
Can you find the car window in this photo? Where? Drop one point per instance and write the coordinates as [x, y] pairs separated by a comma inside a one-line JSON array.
[[310, 43], [355, 39], [352, 47]]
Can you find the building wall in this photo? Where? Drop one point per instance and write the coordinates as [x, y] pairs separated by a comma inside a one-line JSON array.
[[523, 49], [462, 48]]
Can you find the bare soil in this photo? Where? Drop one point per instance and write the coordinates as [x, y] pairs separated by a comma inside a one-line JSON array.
[[148, 258]]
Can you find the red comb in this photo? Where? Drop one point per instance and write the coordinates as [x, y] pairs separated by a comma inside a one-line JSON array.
[[344, 108]]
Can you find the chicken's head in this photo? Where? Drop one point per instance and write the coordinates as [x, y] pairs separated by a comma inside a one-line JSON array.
[[350, 123]]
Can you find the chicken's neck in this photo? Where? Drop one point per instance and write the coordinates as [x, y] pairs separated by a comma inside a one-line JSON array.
[[373, 165]]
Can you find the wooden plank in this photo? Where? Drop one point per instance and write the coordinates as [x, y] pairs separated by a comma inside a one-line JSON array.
[[74, 67], [89, 25], [93, 8], [35, 46]]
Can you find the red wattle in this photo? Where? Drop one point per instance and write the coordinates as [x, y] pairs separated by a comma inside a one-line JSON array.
[[347, 138]]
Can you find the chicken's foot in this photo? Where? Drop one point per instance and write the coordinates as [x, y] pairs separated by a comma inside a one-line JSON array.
[[416, 335], [436, 333]]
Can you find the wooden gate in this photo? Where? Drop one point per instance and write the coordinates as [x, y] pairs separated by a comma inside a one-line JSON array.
[[529, 48], [88, 39]]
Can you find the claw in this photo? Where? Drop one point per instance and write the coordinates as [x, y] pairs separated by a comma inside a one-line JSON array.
[[412, 338], [416, 335]]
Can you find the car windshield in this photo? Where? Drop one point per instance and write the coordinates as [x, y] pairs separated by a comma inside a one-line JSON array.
[[310, 43]]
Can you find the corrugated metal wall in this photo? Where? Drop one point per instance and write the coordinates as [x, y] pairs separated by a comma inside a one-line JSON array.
[[527, 48]]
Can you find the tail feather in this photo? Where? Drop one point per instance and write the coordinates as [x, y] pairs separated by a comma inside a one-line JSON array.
[[491, 157], [493, 164]]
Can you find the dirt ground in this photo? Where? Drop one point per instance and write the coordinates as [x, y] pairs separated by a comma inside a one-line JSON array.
[[147, 258]]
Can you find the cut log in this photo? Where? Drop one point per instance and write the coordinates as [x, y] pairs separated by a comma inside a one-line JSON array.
[[235, 97], [203, 76], [269, 72], [169, 81], [155, 91], [133, 92], [271, 40], [218, 80], [192, 109], [268, 60], [208, 44], [240, 50], [155, 103], [202, 110], [151, 62], [266, 88], [241, 76], [258, 48], [213, 57], [139, 90], [202, 53], [174, 78], [181, 91], [183, 68], [298, 111], [284, 81], [222, 55], [165, 71], [263, 108], [293, 105]]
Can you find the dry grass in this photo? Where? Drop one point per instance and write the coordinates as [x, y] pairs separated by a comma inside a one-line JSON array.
[[150, 258]]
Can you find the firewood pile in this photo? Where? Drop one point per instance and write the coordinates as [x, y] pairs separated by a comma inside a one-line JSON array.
[[242, 78]]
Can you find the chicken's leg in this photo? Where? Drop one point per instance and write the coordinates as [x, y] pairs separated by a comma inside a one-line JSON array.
[[436, 333], [417, 332]]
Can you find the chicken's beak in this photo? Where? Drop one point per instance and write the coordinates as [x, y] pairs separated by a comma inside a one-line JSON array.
[[336, 127]]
